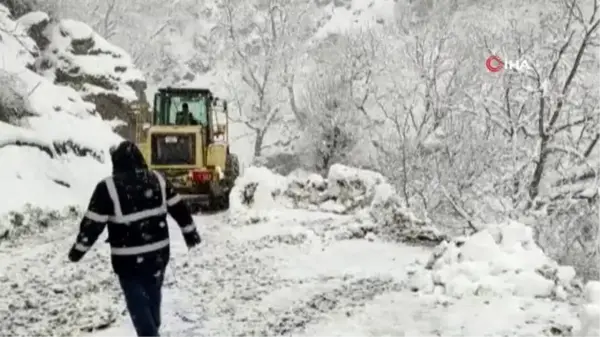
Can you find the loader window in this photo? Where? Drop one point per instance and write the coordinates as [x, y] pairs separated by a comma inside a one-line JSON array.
[[196, 106]]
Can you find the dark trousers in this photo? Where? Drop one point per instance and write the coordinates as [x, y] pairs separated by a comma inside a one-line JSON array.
[[143, 295]]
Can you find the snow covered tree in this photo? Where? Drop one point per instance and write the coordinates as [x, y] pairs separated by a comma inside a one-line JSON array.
[[331, 122], [104, 16], [553, 125], [549, 111], [261, 37], [461, 141], [329, 101], [418, 110]]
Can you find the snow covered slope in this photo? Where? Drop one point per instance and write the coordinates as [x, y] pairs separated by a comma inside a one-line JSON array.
[[340, 16], [306, 261], [52, 142]]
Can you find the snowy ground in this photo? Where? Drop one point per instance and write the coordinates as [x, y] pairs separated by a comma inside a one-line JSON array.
[[282, 272], [276, 278], [264, 279]]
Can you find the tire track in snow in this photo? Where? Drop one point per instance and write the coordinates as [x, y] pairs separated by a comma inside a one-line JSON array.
[[233, 283], [347, 297]]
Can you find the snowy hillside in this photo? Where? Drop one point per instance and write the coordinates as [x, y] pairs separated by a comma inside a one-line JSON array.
[[303, 255], [347, 15], [52, 142]]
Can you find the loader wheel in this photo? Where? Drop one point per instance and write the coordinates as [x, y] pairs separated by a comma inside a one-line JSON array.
[[194, 206], [231, 172]]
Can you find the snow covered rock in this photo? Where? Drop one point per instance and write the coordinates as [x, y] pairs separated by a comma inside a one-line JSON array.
[[34, 24], [398, 223], [340, 192], [499, 260], [362, 194], [75, 55], [256, 195], [51, 141], [345, 190]]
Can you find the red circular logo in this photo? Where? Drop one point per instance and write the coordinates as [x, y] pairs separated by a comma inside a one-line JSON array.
[[494, 64]]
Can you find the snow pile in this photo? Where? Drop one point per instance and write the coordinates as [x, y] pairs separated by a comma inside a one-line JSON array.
[[51, 141], [345, 190], [365, 195], [497, 261], [590, 311]]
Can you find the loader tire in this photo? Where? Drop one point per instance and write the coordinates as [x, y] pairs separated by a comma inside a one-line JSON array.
[[194, 206], [231, 173]]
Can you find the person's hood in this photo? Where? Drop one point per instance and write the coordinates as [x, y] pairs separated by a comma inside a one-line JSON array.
[[127, 157]]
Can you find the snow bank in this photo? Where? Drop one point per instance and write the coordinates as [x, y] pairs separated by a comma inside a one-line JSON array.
[[55, 143], [500, 260], [365, 195]]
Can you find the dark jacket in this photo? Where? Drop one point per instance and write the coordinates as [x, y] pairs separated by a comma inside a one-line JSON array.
[[134, 203]]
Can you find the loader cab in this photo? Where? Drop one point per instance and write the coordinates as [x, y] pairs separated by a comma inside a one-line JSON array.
[[192, 107], [182, 107]]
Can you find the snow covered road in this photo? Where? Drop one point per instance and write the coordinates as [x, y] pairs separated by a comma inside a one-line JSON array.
[[286, 276], [273, 278]]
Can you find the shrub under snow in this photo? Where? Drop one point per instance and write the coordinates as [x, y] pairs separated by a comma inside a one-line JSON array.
[[32, 220], [363, 194], [499, 260]]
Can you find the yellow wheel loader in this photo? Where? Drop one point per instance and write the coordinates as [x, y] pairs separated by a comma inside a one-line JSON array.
[[186, 137]]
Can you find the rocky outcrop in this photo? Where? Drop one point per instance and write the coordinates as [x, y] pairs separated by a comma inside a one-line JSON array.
[[73, 54]]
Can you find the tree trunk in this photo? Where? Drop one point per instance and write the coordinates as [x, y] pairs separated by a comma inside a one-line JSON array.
[[258, 143], [534, 187]]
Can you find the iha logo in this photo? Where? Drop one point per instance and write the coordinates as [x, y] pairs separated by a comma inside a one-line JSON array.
[[495, 64]]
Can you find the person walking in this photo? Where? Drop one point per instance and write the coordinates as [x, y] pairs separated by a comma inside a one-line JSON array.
[[133, 203]]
